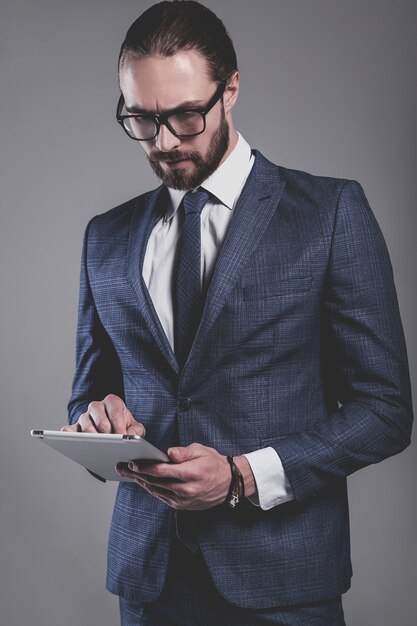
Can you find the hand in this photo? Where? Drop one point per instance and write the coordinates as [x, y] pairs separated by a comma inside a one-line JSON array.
[[108, 416], [198, 477]]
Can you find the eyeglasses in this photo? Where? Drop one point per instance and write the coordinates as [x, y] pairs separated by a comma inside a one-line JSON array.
[[181, 122]]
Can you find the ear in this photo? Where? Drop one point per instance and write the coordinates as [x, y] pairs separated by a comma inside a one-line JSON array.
[[231, 92]]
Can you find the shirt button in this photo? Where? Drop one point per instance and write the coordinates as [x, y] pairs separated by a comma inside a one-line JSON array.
[[184, 403]]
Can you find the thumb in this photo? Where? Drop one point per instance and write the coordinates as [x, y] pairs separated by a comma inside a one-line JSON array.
[[180, 454]]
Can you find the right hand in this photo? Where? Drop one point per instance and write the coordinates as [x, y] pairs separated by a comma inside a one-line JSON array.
[[107, 416]]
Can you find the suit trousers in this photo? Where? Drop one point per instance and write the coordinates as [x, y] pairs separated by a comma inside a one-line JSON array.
[[189, 598]]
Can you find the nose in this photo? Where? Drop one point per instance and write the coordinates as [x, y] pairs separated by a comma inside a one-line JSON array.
[[165, 140]]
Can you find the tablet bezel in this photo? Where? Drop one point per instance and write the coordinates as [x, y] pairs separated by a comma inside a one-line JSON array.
[[99, 452]]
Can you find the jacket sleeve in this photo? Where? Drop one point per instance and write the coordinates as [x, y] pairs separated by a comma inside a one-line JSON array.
[[363, 340], [97, 369]]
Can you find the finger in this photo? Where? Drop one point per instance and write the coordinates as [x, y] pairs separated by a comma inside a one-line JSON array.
[[159, 492], [71, 428], [159, 483], [98, 415], [169, 499], [158, 470], [118, 414], [122, 469], [166, 483], [86, 424], [115, 410], [120, 418], [136, 428]]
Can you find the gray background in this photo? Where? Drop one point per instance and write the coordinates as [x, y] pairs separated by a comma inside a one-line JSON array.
[[327, 86]]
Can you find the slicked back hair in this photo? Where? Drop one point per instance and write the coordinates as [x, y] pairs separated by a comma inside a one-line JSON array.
[[172, 26]]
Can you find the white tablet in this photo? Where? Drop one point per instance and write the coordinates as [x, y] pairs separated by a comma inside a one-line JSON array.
[[98, 452]]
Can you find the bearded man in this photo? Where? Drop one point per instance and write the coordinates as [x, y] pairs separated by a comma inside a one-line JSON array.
[[245, 316]]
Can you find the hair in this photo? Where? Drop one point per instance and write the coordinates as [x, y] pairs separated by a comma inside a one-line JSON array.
[[169, 27]]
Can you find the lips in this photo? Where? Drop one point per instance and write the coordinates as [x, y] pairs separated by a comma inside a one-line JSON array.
[[176, 164]]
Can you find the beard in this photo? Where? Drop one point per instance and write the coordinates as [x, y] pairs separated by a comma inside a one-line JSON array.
[[203, 167]]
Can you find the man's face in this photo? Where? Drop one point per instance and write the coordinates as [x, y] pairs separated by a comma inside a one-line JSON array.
[[157, 84]]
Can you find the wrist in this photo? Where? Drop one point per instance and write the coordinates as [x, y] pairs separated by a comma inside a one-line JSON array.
[[248, 477]]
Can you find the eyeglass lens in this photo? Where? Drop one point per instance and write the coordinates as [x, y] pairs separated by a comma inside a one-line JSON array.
[[187, 123]]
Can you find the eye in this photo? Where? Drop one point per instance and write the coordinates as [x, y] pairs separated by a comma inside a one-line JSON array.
[[140, 126], [142, 119], [184, 116], [187, 122]]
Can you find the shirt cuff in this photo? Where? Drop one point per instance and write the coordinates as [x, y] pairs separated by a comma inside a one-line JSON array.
[[271, 481]]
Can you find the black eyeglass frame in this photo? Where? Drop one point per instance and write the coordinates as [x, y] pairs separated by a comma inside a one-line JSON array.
[[163, 118]]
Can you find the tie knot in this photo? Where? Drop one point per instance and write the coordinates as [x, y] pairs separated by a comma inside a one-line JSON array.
[[194, 201]]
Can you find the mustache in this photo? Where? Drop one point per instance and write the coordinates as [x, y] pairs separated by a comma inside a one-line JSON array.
[[173, 156]]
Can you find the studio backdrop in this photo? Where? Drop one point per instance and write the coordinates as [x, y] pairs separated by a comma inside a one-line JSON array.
[[327, 86]]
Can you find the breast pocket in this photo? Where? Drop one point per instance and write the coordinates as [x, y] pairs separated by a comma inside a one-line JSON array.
[[280, 287]]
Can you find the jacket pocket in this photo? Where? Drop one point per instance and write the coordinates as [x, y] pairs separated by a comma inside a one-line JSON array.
[[281, 287]]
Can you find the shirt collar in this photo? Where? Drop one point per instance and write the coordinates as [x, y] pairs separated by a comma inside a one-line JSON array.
[[226, 182]]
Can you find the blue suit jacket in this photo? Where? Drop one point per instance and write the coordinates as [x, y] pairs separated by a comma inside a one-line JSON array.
[[300, 347]]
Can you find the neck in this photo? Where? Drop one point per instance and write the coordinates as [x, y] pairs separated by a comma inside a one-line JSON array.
[[233, 137]]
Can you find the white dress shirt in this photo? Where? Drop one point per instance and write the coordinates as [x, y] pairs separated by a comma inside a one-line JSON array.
[[225, 185]]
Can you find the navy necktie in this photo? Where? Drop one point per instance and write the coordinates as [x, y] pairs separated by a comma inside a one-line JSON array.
[[188, 295]]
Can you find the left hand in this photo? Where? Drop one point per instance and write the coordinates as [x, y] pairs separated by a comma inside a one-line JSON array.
[[197, 478]]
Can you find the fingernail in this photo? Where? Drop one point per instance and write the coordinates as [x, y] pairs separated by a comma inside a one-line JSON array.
[[131, 466]]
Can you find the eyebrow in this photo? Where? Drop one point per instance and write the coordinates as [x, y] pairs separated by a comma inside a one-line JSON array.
[[188, 104]]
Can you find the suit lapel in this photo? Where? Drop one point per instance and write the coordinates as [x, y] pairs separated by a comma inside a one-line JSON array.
[[144, 218], [253, 212], [256, 206]]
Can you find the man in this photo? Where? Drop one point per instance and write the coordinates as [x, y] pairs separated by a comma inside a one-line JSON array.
[[245, 316]]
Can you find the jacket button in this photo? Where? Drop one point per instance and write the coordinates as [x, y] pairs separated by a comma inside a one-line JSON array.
[[184, 403]]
